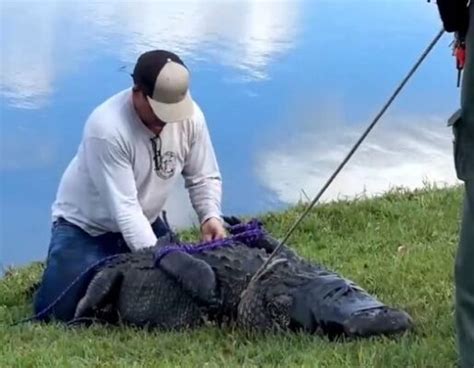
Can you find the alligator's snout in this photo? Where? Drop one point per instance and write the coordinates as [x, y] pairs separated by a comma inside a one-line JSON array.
[[378, 321]]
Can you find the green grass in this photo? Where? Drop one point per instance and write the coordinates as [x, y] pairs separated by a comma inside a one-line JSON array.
[[400, 247]]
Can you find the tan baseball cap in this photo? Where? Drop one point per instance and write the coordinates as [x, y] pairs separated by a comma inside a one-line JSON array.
[[164, 79]]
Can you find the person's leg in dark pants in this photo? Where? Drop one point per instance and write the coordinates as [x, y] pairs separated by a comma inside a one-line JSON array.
[[71, 252], [464, 156], [159, 227], [464, 279]]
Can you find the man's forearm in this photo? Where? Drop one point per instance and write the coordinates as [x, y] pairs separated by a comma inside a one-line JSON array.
[[206, 196], [201, 174], [136, 230]]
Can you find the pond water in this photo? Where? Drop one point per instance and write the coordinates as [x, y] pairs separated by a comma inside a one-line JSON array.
[[287, 87]]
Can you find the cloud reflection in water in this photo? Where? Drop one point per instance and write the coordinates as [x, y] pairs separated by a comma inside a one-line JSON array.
[[402, 150], [246, 36]]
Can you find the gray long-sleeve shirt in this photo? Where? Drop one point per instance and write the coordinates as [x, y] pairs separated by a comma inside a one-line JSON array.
[[113, 185]]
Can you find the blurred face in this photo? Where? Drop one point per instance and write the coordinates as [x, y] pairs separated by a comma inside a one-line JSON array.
[[145, 112]]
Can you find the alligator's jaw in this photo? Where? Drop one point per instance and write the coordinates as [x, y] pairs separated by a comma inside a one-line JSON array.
[[378, 321]]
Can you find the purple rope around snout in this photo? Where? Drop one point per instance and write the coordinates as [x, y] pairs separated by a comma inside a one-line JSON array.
[[244, 233]]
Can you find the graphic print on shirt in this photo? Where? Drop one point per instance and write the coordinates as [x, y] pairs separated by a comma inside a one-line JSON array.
[[167, 166]]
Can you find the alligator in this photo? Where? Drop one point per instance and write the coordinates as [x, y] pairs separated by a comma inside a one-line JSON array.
[[217, 286]]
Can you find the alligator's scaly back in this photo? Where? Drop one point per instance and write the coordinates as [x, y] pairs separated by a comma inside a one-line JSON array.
[[234, 267]]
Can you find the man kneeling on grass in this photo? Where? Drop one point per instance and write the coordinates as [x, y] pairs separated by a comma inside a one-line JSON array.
[[133, 148]]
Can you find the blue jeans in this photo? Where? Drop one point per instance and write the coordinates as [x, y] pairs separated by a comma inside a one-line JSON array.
[[71, 251]]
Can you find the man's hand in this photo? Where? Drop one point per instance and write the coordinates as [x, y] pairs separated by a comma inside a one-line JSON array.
[[213, 229]]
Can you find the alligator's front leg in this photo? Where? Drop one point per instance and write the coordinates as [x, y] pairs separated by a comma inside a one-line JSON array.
[[195, 276], [101, 295]]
